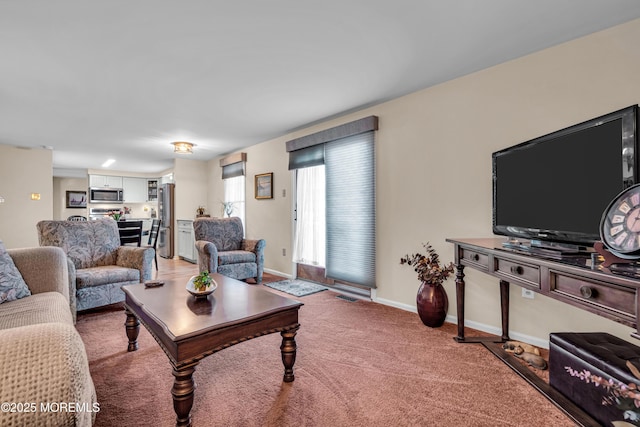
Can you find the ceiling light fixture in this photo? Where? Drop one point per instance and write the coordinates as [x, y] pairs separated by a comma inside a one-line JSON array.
[[182, 147], [108, 163]]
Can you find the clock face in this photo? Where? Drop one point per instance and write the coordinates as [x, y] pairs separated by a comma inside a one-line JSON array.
[[620, 225]]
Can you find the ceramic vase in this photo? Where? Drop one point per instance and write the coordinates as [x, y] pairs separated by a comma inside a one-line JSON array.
[[432, 303]]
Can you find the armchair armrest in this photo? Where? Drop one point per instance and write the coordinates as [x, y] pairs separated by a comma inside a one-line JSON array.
[[256, 246], [207, 256], [136, 257], [253, 245]]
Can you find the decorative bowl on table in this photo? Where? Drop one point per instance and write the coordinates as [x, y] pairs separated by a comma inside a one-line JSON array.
[[196, 288]]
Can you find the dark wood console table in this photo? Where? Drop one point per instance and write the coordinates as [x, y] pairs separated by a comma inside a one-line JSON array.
[[608, 292]]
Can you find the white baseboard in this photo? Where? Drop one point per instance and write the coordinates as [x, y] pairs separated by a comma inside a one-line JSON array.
[[278, 273], [514, 335], [405, 307]]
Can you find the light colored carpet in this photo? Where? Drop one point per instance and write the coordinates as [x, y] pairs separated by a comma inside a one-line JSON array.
[[298, 288], [359, 364]]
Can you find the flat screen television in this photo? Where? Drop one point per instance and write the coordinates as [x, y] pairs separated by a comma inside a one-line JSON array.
[[552, 190]]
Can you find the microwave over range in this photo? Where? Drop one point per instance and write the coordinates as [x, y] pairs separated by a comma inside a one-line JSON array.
[[106, 195]]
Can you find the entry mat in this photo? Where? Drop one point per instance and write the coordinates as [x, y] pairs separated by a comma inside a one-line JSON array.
[[298, 288]]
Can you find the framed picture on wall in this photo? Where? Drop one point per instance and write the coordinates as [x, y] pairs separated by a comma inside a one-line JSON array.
[[76, 199], [264, 186]]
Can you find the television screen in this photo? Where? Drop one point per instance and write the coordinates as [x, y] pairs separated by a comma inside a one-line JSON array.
[[556, 187]]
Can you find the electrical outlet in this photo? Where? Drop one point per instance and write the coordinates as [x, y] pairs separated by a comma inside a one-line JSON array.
[[284, 252], [528, 293], [284, 193]]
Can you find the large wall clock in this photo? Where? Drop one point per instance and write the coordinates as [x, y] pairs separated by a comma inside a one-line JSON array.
[[620, 224]]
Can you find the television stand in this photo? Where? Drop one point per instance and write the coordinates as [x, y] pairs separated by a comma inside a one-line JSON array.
[[595, 289]]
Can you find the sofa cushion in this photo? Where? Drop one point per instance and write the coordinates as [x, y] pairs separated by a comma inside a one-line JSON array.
[[240, 271], [97, 276], [235, 257], [12, 285], [44, 307]]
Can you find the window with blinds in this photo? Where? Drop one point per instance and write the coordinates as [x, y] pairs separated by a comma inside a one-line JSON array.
[[233, 172], [348, 155], [351, 212]]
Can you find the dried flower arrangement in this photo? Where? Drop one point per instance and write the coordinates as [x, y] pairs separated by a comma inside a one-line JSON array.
[[428, 266]]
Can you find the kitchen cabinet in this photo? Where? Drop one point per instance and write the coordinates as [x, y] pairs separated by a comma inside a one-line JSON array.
[[100, 181], [135, 190], [152, 190], [186, 241]]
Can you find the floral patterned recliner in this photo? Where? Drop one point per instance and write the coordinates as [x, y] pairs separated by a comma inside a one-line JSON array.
[[98, 265], [223, 249]]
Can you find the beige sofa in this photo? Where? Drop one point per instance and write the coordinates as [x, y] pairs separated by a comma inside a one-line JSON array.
[[43, 362]]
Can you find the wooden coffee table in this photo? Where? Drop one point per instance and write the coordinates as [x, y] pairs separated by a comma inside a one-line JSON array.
[[188, 330]]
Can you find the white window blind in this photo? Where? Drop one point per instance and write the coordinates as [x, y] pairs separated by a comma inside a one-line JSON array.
[[350, 211]]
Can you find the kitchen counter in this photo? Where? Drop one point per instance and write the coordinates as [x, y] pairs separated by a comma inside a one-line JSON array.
[[186, 241]]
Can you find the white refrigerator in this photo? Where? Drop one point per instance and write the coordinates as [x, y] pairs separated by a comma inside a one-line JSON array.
[[166, 238]]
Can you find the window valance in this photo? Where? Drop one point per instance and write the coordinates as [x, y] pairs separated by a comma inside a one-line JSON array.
[[308, 150], [233, 165]]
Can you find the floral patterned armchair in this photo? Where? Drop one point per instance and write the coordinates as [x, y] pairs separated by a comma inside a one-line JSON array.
[[98, 265], [223, 249]]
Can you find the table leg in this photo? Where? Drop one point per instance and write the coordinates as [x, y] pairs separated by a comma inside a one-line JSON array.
[[182, 391], [132, 326], [504, 307], [460, 301], [288, 349]]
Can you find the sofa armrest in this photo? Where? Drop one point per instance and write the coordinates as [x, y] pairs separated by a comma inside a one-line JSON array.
[[72, 289], [44, 269], [136, 257], [41, 363], [207, 256]]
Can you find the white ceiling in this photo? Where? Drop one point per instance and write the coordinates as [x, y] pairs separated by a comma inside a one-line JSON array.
[[122, 79]]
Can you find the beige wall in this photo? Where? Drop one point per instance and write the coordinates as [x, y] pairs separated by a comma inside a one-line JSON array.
[[434, 168], [190, 177], [215, 189], [268, 219], [60, 188], [22, 172]]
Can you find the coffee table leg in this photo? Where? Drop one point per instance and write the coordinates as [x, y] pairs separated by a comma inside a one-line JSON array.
[[288, 349], [132, 326], [182, 392]]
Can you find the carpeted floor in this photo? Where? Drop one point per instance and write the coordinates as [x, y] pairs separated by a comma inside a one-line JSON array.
[[358, 364]]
